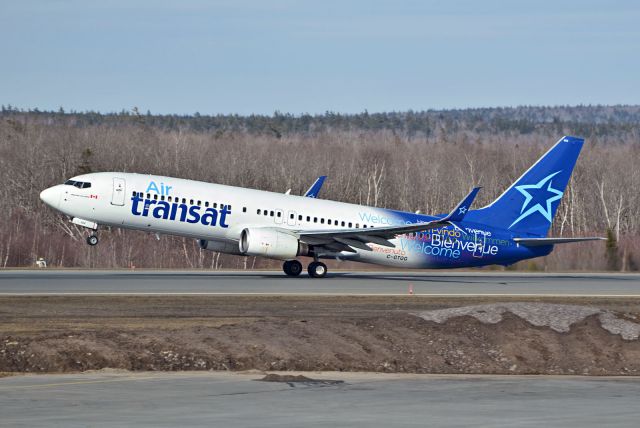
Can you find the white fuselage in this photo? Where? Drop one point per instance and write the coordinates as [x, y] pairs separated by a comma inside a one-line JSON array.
[[222, 212]]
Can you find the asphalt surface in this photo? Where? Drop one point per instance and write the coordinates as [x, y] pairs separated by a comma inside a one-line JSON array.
[[20, 282], [371, 400]]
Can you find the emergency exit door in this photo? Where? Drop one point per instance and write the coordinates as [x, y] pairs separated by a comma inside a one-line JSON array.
[[119, 192]]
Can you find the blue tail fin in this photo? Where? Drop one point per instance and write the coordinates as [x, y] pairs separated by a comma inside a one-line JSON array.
[[528, 205]]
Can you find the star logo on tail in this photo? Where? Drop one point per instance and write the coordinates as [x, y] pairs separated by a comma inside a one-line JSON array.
[[539, 198]]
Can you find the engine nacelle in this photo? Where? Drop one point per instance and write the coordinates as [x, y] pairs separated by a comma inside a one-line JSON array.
[[219, 246], [272, 243]]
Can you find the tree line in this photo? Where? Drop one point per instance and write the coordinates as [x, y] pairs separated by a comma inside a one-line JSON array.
[[402, 160]]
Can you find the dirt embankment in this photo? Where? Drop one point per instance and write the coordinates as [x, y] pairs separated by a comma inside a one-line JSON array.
[[413, 334]]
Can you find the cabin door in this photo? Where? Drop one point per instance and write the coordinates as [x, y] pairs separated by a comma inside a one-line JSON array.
[[119, 191], [291, 218], [481, 241], [278, 217]]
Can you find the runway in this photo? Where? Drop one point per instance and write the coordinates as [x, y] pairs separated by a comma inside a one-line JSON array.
[[42, 282], [362, 399]]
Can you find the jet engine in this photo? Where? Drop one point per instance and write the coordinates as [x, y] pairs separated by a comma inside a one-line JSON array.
[[219, 246], [272, 243]]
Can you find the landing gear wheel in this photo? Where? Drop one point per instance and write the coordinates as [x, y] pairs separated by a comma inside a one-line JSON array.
[[317, 270], [92, 240], [292, 267]]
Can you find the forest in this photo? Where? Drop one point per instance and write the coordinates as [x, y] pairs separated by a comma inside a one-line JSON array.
[[409, 161]]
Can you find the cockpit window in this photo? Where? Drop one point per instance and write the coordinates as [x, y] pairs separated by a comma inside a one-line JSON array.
[[78, 184]]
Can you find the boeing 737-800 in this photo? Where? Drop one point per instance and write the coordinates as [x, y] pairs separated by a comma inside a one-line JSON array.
[[252, 222]]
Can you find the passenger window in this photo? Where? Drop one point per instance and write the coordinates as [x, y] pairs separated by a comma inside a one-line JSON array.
[[266, 212], [315, 219], [357, 225], [134, 194], [148, 195], [350, 224], [162, 198], [279, 214], [300, 218], [259, 211], [364, 226], [190, 201], [206, 203], [342, 224], [291, 216], [184, 200], [199, 203], [229, 207], [155, 197], [309, 218], [322, 221], [271, 213], [169, 198], [244, 209], [215, 205], [329, 221]]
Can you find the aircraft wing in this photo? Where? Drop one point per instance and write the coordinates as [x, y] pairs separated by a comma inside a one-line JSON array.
[[346, 240], [358, 238], [314, 190]]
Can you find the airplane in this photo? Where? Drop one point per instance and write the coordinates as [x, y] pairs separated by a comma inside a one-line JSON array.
[[251, 222]]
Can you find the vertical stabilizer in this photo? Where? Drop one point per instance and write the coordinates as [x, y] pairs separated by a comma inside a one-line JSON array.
[[529, 204]]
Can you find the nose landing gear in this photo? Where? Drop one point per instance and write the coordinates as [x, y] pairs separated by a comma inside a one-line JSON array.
[[92, 240]]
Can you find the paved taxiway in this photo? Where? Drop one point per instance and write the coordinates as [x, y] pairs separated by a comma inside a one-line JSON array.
[[372, 400], [337, 283]]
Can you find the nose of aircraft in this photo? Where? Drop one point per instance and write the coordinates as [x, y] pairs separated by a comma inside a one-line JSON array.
[[51, 196]]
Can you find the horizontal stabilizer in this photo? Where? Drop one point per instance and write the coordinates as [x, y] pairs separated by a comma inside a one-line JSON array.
[[536, 242]]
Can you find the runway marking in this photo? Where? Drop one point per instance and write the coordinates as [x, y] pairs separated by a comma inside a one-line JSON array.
[[78, 382], [9, 294]]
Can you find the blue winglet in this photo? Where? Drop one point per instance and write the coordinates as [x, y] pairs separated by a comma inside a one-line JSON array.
[[458, 213], [314, 190]]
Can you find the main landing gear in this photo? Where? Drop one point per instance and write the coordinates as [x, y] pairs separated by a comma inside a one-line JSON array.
[[292, 267], [92, 240], [315, 269]]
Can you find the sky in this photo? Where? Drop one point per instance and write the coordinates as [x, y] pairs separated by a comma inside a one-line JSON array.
[[260, 56]]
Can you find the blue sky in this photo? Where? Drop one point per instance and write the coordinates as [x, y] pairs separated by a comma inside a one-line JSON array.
[[244, 57]]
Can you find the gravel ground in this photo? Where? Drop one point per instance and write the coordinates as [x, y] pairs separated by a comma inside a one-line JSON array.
[[409, 334]]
